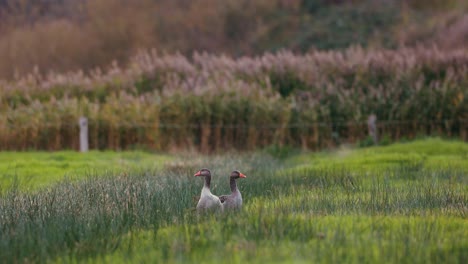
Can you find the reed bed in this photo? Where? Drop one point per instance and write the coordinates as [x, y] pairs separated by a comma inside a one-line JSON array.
[[215, 102]]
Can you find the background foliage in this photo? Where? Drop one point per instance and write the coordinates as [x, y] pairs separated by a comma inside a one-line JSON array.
[[64, 35], [207, 102]]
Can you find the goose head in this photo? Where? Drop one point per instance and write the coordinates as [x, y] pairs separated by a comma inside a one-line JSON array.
[[203, 173], [237, 174]]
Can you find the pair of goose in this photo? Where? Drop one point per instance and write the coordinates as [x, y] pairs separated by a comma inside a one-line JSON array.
[[211, 202]]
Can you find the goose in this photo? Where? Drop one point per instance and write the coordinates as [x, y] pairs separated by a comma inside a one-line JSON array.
[[234, 200], [208, 201]]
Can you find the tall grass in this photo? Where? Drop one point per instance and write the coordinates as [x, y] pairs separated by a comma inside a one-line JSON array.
[[212, 102], [150, 215]]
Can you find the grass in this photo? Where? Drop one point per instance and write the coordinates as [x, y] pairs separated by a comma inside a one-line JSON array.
[[428, 153], [33, 170], [296, 210], [302, 238]]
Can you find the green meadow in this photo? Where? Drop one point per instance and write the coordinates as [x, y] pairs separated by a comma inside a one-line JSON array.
[[33, 170], [403, 203]]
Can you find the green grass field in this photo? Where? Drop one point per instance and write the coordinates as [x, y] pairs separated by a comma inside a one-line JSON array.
[[33, 170], [404, 203]]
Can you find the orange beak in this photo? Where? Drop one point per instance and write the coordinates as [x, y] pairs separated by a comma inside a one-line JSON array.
[[242, 175], [198, 173]]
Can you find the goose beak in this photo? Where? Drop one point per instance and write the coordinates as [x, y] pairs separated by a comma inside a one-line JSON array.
[[242, 175], [198, 173]]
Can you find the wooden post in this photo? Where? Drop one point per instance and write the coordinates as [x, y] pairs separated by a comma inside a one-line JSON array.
[[372, 127], [83, 134]]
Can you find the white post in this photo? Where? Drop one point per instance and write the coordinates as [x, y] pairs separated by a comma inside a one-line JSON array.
[[83, 134], [372, 127]]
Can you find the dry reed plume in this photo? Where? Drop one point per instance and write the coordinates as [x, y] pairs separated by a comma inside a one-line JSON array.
[[164, 101]]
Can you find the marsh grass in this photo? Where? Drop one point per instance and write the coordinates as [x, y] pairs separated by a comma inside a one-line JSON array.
[[99, 216], [407, 214]]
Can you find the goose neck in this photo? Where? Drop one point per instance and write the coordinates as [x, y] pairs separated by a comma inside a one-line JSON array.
[[207, 181], [233, 185]]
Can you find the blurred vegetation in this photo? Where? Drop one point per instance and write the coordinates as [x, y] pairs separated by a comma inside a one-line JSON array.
[[64, 35], [215, 103], [36, 170], [230, 74], [429, 153]]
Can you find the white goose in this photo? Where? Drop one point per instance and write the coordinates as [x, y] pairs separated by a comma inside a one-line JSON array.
[[208, 201]]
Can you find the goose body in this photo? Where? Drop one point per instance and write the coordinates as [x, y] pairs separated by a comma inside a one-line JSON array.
[[208, 201], [234, 200]]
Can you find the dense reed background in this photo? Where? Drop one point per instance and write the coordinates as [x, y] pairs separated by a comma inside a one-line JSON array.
[[207, 102]]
